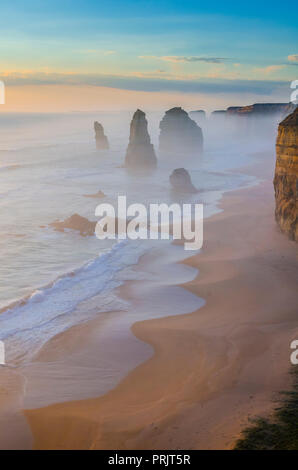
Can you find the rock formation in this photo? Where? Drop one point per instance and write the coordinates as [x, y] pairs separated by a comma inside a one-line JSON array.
[[97, 195], [199, 116], [218, 115], [75, 222], [101, 139], [286, 176], [181, 181], [261, 109], [258, 120], [180, 135], [140, 152]]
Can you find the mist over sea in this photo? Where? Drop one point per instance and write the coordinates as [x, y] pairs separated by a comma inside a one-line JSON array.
[[48, 164]]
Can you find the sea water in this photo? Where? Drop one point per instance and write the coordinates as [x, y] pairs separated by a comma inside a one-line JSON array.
[[48, 165]]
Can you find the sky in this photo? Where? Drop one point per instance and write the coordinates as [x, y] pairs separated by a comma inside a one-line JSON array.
[[92, 55]]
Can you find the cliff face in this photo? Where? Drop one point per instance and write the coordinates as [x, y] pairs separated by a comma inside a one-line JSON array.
[[179, 134], [286, 176], [102, 142], [261, 109], [140, 152], [257, 120]]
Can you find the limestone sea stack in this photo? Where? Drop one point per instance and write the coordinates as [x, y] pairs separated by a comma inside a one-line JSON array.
[[101, 139], [199, 116], [286, 176], [140, 152], [181, 181], [218, 116], [180, 135]]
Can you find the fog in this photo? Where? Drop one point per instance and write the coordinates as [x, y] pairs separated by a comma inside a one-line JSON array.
[[49, 163]]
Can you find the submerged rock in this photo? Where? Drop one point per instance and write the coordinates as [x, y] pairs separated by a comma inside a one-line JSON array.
[[140, 152], [286, 176], [97, 195], [179, 134], [181, 181], [75, 222], [101, 139]]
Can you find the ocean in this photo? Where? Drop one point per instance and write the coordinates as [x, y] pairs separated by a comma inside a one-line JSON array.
[[48, 164]]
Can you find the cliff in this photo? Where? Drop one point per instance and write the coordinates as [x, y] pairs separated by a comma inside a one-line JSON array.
[[258, 120], [102, 142], [140, 152], [286, 176], [179, 134], [261, 109]]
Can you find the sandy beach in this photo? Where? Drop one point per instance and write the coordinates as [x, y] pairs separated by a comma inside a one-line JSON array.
[[149, 228], [211, 370]]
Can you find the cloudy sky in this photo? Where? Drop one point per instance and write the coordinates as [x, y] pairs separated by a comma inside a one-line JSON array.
[[81, 55]]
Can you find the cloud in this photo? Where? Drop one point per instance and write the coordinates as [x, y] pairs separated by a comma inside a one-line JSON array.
[[146, 83], [293, 58], [269, 69], [176, 58], [209, 60]]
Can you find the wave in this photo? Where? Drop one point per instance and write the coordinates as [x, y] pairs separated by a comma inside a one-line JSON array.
[[26, 325]]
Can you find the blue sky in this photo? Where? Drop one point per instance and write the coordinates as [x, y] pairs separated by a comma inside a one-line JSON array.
[[184, 46]]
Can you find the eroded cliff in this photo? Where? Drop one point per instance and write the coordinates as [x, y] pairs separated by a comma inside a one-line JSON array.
[[286, 176]]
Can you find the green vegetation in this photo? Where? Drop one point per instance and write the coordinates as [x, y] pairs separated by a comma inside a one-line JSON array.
[[280, 431]]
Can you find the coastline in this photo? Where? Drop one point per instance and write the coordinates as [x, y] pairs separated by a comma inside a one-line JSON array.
[[211, 369]]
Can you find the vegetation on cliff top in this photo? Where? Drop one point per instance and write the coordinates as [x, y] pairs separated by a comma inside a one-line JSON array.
[[280, 431], [291, 119]]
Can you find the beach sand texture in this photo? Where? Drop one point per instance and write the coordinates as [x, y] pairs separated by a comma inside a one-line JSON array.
[[212, 369]]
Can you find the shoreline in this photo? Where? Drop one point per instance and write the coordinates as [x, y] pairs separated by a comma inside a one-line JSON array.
[[211, 368]]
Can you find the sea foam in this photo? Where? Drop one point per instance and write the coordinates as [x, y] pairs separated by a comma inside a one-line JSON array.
[[29, 323]]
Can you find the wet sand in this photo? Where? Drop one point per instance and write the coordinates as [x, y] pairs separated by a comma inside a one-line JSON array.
[[212, 369]]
